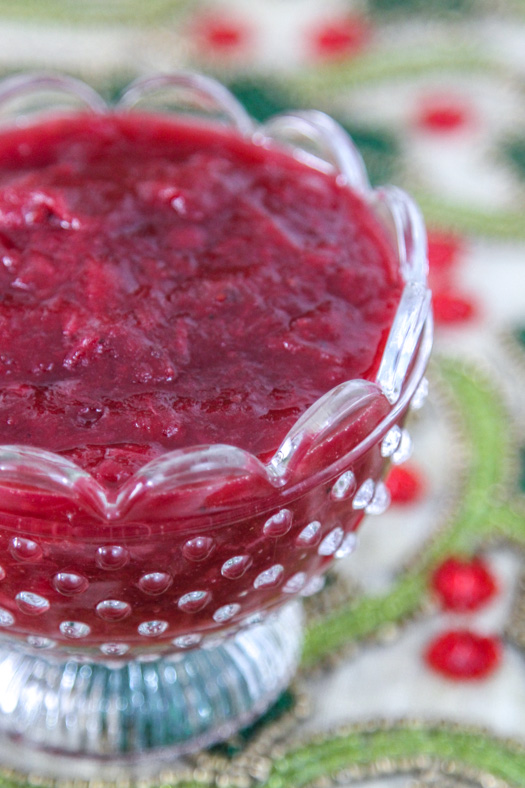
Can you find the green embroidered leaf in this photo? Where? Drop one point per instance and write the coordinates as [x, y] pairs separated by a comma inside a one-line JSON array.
[[513, 151], [400, 748], [519, 333], [444, 7], [261, 99], [111, 88], [380, 150], [94, 12], [521, 478]]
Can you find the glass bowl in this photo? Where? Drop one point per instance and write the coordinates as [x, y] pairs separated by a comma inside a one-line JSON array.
[[160, 618]]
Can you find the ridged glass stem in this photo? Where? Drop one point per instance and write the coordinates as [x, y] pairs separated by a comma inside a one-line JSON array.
[[179, 704]]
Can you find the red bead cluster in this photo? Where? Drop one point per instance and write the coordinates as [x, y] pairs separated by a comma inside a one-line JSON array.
[[228, 35], [340, 38], [462, 655], [405, 484], [443, 114], [463, 586], [220, 35], [451, 306]]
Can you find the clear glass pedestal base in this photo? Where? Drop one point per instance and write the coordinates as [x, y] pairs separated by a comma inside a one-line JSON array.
[[130, 720]]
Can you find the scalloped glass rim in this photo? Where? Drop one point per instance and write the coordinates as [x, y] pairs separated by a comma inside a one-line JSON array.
[[318, 141]]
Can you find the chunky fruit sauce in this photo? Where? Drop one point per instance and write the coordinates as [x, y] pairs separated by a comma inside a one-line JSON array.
[[164, 286]]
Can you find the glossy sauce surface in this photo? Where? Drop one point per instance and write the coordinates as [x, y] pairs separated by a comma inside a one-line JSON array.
[[164, 286]]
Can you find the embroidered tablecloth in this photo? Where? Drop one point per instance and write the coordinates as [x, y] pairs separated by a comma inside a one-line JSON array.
[[413, 670]]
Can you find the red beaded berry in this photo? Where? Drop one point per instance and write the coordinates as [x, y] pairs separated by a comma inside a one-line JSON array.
[[444, 249], [463, 586], [340, 38], [444, 252], [405, 484], [443, 114], [463, 655], [450, 307], [220, 35]]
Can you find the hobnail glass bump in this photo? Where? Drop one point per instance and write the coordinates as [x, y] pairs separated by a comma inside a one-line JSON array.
[[348, 545], [364, 495], [152, 629], [344, 486], [313, 586], [310, 534], [331, 542], [381, 500], [391, 441], [404, 450], [270, 577]]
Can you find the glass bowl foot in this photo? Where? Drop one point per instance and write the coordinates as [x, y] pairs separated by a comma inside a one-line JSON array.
[[133, 717]]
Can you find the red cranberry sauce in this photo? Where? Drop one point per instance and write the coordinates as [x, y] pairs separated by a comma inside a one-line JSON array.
[[164, 286]]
